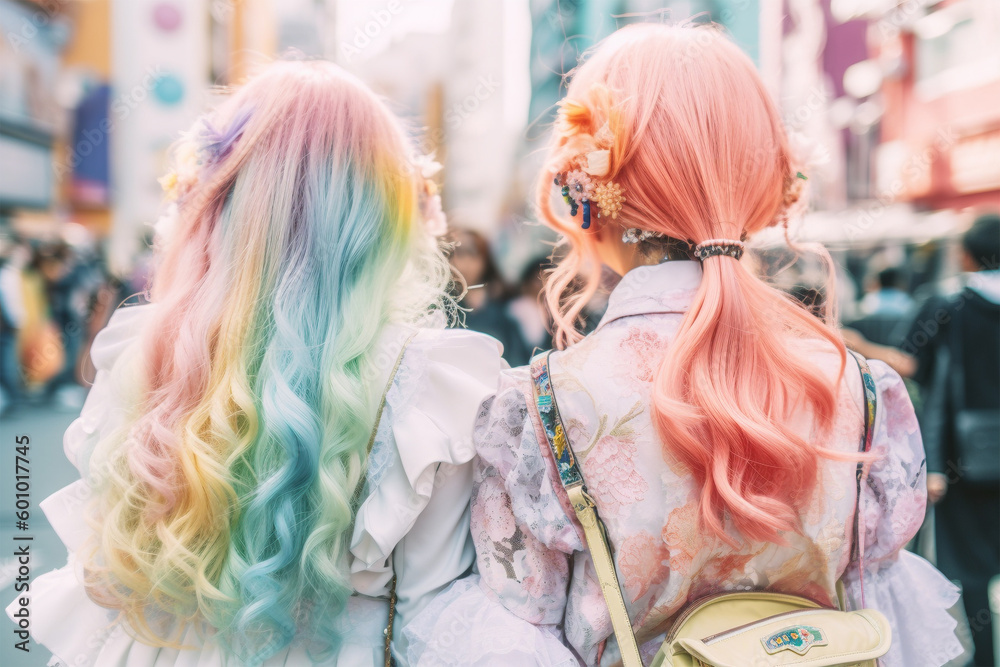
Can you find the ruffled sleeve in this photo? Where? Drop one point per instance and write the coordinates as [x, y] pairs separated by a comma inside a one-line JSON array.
[[105, 407], [520, 517], [414, 522], [524, 539], [913, 595]]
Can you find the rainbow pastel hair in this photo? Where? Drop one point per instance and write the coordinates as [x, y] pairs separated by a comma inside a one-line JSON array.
[[699, 149], [227, 499]]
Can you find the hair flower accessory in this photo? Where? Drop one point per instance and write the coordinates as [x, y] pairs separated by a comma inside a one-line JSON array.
[[609, 199], [186, 168], [434, 220], [169, 184], [165, 226], [583, 163], [573, 116], [598, 163], [427, 166], [214, 144]]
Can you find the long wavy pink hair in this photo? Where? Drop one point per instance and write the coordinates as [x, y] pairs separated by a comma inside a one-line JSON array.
[[701, 153]]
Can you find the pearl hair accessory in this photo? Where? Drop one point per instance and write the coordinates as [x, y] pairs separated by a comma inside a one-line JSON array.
[[636, 235], [581, 170]]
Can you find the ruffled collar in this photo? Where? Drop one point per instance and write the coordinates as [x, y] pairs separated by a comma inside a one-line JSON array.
[[661, 288]]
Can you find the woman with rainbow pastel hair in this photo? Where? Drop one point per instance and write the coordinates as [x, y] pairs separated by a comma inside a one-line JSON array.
[[280, 440], [716, 423]]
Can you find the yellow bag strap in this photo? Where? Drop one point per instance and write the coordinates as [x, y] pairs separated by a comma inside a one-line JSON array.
[[867, 436], [586, 510]]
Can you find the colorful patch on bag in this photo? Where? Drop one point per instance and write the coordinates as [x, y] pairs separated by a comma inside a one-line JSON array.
[[798, 638]]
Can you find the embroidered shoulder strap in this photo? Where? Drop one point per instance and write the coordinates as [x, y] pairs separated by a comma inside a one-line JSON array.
[[871, 400], [586, 510]]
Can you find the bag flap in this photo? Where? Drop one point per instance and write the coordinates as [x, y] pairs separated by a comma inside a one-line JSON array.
[[815, 637]]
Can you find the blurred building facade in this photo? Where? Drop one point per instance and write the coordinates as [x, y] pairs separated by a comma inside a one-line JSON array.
[[900, 99], [907, 111], [940, 143]]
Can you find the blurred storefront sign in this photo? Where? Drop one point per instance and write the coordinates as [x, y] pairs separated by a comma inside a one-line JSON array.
[[948, 172], [91, 184], [26, 176], [975, 162], [941, 128], [876, 222]]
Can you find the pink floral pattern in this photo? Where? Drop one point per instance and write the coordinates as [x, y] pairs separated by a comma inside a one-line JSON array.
[[612, 462], [493, 514], [642, 560], [646, 348], [683, 537]]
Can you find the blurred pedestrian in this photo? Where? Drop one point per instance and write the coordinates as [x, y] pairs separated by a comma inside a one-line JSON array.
[[888, 297], [12, 318], [956, 341], [887, 310], [72, 279], [528, 312], [485, 295]]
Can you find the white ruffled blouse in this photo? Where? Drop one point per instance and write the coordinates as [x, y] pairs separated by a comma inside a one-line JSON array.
[[538, 600], [414, 521]]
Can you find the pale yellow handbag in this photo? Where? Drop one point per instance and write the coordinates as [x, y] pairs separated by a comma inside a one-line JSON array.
[[746, 629]]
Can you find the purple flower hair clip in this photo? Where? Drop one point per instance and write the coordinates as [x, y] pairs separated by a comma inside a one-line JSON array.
[[217, 144]]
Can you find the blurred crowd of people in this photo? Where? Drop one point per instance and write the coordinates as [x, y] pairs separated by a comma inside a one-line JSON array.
[[512, 314], [54, 297], [948, 345]]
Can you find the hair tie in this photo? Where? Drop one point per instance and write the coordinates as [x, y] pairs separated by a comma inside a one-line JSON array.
[[711, 247]]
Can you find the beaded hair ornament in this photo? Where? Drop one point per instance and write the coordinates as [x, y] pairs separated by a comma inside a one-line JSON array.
[[583, 164]]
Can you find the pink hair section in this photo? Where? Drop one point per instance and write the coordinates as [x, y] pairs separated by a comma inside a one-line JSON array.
[[701, 153]]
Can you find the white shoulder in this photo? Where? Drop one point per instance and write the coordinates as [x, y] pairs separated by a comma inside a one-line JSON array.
[[121, 330], [425, 432]]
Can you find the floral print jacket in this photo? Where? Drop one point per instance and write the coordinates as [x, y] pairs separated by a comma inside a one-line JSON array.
[[531, 553]]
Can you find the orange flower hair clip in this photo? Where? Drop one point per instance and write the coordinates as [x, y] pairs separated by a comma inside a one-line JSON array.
[[583, 164]]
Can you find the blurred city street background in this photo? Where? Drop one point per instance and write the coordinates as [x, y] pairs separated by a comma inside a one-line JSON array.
[[900, 102]]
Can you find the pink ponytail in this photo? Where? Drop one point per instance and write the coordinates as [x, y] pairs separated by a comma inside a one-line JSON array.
[[701, 153]]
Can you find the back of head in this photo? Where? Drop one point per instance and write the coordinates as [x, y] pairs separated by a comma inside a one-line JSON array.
[[890, 278], [699, 151], [296, 235]]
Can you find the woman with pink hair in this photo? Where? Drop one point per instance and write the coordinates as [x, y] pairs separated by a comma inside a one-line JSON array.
[[716, 421]]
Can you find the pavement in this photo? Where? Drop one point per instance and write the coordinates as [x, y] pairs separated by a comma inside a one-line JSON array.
[[49, 470]]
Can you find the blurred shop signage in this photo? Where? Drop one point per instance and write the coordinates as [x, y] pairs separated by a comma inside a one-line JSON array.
[[975, 162]]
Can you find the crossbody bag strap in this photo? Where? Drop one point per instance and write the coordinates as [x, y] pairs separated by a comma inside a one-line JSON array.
[[871, 401], [572, 480], [371, 443]]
